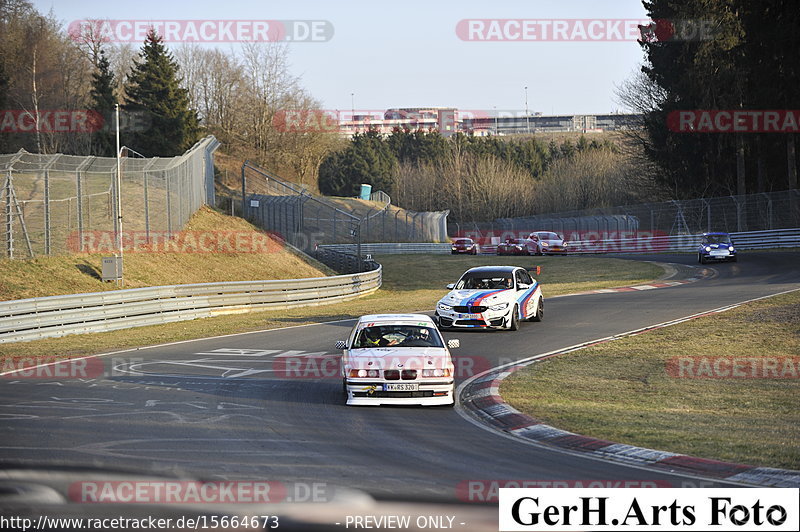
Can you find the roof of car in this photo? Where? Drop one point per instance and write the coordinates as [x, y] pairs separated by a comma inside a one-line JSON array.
[[493, 269], [395, 317]]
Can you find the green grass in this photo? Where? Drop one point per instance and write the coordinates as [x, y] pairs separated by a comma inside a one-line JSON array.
[[621, 391], [411, 283]]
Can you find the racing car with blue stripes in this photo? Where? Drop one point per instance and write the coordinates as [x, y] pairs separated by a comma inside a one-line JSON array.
[[491, 297]]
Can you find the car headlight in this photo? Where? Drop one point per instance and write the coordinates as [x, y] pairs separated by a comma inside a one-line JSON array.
[[545, 244], [436, 372], [708, 248], [364, 373], [499, 306], [730, 248], [442, 306]]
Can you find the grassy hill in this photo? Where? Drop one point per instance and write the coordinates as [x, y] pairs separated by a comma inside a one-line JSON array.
[[80, 272]]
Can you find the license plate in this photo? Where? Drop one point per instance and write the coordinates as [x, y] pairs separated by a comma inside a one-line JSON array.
[[468, 317], [401, 387], [718, 252]]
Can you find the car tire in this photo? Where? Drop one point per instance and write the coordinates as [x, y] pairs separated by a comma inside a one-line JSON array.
[[700, 259], [539, 311], [538, 252], [514, 325]]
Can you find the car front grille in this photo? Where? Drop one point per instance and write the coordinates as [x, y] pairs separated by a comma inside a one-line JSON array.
[[470, 310], [470, 322]]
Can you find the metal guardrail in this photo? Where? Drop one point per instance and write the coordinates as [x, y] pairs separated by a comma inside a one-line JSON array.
[[391, 248], [778, 238], [44, 317]]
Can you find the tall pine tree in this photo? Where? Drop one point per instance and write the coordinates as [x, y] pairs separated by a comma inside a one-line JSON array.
[[154, 89], [103, 100]]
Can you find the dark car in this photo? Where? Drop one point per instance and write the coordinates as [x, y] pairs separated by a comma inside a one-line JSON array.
[[465, 245], [716, 247], [512, 246]]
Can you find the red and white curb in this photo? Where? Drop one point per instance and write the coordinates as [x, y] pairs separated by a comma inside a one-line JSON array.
[[480, 397], [699, 275]]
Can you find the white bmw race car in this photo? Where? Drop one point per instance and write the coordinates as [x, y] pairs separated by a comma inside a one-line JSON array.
[[496, 297], [397, 359]]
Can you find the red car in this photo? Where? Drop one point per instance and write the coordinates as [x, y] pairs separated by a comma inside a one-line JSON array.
[[512, 246], [465, 245]]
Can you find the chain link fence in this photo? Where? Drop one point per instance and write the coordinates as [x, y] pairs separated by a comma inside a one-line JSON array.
[[731, 214], [305, 220], [53, 203]]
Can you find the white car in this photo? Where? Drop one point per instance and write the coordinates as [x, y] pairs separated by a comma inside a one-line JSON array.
[[496, 297], [545, 243], [397, 359]]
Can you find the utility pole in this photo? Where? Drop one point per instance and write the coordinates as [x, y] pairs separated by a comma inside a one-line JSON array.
[[119, 204], [527, 115]]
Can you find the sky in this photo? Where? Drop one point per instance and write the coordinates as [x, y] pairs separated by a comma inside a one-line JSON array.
[[407, 53]]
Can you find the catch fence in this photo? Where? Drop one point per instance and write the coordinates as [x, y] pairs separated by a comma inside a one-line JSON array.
[[306, 221], [51, 203]]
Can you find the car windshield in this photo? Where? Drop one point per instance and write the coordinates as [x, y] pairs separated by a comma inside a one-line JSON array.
[[548, 236], [464, 241], [485, 281], [397, 336], [716, 239]]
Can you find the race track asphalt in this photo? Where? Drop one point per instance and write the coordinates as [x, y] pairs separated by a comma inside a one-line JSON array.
[[216, 407]]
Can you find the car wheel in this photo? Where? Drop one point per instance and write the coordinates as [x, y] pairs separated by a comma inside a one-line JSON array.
[[539, 311], [538, 252], [514, 325], [700, 259]]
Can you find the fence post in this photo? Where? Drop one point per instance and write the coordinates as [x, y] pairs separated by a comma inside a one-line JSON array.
[[146, 211], [169, 202], [244, 189], [79, 193], [47, 212], [9, 218]]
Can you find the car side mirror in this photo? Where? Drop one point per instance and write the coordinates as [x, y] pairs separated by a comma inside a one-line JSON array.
[[523, 286], [454, 343], [450, 286], [340, 345]]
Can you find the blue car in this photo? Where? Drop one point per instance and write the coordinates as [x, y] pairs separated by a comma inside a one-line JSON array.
[[716, 247]]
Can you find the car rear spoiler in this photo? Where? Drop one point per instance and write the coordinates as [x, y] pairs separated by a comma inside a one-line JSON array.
[[536, 270]]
